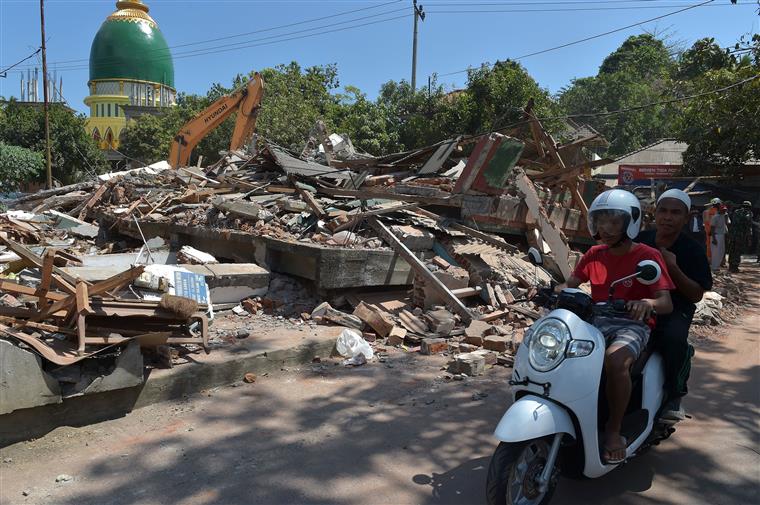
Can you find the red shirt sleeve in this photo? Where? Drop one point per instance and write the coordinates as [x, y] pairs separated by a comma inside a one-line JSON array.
[[581, 269]]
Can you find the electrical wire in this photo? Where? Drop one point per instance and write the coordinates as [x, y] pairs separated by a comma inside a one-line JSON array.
[[620, 111], [573, 9], [592, 37], [262, 30], [245, 45], [4, 72]]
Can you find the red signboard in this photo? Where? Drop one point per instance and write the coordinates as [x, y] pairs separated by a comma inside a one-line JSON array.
[[627, 174]]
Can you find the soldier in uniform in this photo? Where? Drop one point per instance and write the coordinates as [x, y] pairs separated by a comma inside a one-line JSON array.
[[740, 235]]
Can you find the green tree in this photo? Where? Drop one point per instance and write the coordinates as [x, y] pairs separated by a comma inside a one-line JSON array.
[[293, 100], [368, 124], [722, 130], [637, 73], [74, 154], [18, 166]]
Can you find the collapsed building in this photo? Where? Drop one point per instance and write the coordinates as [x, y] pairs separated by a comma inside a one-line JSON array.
[[423, 249]]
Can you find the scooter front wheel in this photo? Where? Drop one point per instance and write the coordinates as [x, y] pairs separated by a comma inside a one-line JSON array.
[[513, 475]]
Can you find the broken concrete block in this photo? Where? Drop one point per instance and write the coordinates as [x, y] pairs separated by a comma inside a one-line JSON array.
[[490, 357], [396, 336], [441, 321], [376, 319], [434, 346], [241, 208], [291, 205], [441, 263], [343, 319], [414, 238], [477, 329], [452, 278], [496, 343], [474, 340], [23, 383], [193, 256], [469, 363], [127, 373], [465, 347], [320, 310], [505, 360]]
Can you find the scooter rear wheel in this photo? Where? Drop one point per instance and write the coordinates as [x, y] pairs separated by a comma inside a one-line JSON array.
[[513, 474]]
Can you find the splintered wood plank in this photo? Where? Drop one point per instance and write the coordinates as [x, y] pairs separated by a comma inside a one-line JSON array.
[[94, 199], [35, 260], [552, 235]]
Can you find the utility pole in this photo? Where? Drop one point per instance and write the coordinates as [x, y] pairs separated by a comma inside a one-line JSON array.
[[45, 96], [418, 13]]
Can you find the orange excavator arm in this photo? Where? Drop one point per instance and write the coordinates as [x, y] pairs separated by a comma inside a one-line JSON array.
[[245, 101]]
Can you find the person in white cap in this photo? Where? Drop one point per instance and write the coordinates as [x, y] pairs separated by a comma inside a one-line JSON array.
[[689, 269]]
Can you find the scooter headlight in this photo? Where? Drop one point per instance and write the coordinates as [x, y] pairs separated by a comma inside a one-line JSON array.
[[547, 344]]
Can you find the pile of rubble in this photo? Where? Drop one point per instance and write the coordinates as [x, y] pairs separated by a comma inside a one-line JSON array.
[[150, 254]]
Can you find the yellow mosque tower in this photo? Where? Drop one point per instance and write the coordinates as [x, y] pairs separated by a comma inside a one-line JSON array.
[[131, 73]]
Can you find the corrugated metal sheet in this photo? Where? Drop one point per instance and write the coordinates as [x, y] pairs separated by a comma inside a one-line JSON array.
[[293, 166]]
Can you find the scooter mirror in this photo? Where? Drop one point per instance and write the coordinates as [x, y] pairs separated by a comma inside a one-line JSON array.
[[534, 256], [648, 272]]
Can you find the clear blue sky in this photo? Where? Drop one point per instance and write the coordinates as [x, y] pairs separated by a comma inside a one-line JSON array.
[[370, 55]]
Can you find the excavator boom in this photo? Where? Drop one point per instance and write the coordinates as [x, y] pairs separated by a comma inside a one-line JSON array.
[[245, 101]]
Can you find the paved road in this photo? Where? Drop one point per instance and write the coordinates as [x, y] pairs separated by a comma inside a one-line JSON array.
[[392, 433]]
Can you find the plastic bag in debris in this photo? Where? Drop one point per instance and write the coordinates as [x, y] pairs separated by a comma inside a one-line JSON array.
[[351, 345]]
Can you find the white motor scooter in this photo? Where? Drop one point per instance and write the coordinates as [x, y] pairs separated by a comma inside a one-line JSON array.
[[559, 402]]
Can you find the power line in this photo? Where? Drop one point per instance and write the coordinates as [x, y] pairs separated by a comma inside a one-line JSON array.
[[248, 44], [586, 39], [576, 9], [624, 110], [4, 72], [262, 30]]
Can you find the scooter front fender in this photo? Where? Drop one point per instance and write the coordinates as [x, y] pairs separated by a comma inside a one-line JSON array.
[[533, 417]]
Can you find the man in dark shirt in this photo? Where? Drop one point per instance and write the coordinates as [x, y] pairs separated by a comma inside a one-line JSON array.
[[688, 267]]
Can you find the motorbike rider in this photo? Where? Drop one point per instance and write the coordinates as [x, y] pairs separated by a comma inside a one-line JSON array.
[[690, 271], [614, 219]]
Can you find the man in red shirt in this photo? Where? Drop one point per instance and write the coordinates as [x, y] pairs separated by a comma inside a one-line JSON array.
[[614, 219]]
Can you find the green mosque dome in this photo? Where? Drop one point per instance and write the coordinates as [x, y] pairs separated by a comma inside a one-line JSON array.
[[130, 46]]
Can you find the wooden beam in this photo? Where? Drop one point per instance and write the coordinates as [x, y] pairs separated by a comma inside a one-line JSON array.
[[20, 289], [35, 260], [553, 236], [113, 282], [94, 199], [420, 269]]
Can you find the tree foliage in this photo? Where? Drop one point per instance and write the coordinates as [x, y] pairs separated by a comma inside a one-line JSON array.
[[18, 166], [722, 130], [636, 73], [74, 154]]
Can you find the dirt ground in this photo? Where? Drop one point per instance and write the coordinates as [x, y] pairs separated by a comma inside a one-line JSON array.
[[399, 431]]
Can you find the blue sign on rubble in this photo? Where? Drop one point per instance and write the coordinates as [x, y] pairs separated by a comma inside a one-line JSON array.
[[191, 285]]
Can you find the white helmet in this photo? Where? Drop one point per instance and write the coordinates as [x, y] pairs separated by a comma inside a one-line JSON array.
[[616, 201]]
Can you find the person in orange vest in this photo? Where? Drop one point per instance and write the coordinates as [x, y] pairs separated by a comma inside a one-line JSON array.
[[707, 216]]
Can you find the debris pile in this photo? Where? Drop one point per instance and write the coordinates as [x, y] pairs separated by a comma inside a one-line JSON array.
[[406, 249]]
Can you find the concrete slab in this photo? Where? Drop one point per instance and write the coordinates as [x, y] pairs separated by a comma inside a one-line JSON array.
[[23, 383], [265, 350], [227, 282], [328, 267]]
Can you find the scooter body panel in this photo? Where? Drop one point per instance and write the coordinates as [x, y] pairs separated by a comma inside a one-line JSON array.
[[575, 384], [533, 417]]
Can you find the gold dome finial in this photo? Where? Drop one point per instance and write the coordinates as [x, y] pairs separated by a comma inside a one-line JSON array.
[[132, 10], [132, 4]]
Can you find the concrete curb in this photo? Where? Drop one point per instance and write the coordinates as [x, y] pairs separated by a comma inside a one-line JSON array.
[[161, 386]]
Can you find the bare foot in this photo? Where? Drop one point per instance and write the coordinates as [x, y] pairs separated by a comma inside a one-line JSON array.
[[614, 448]]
